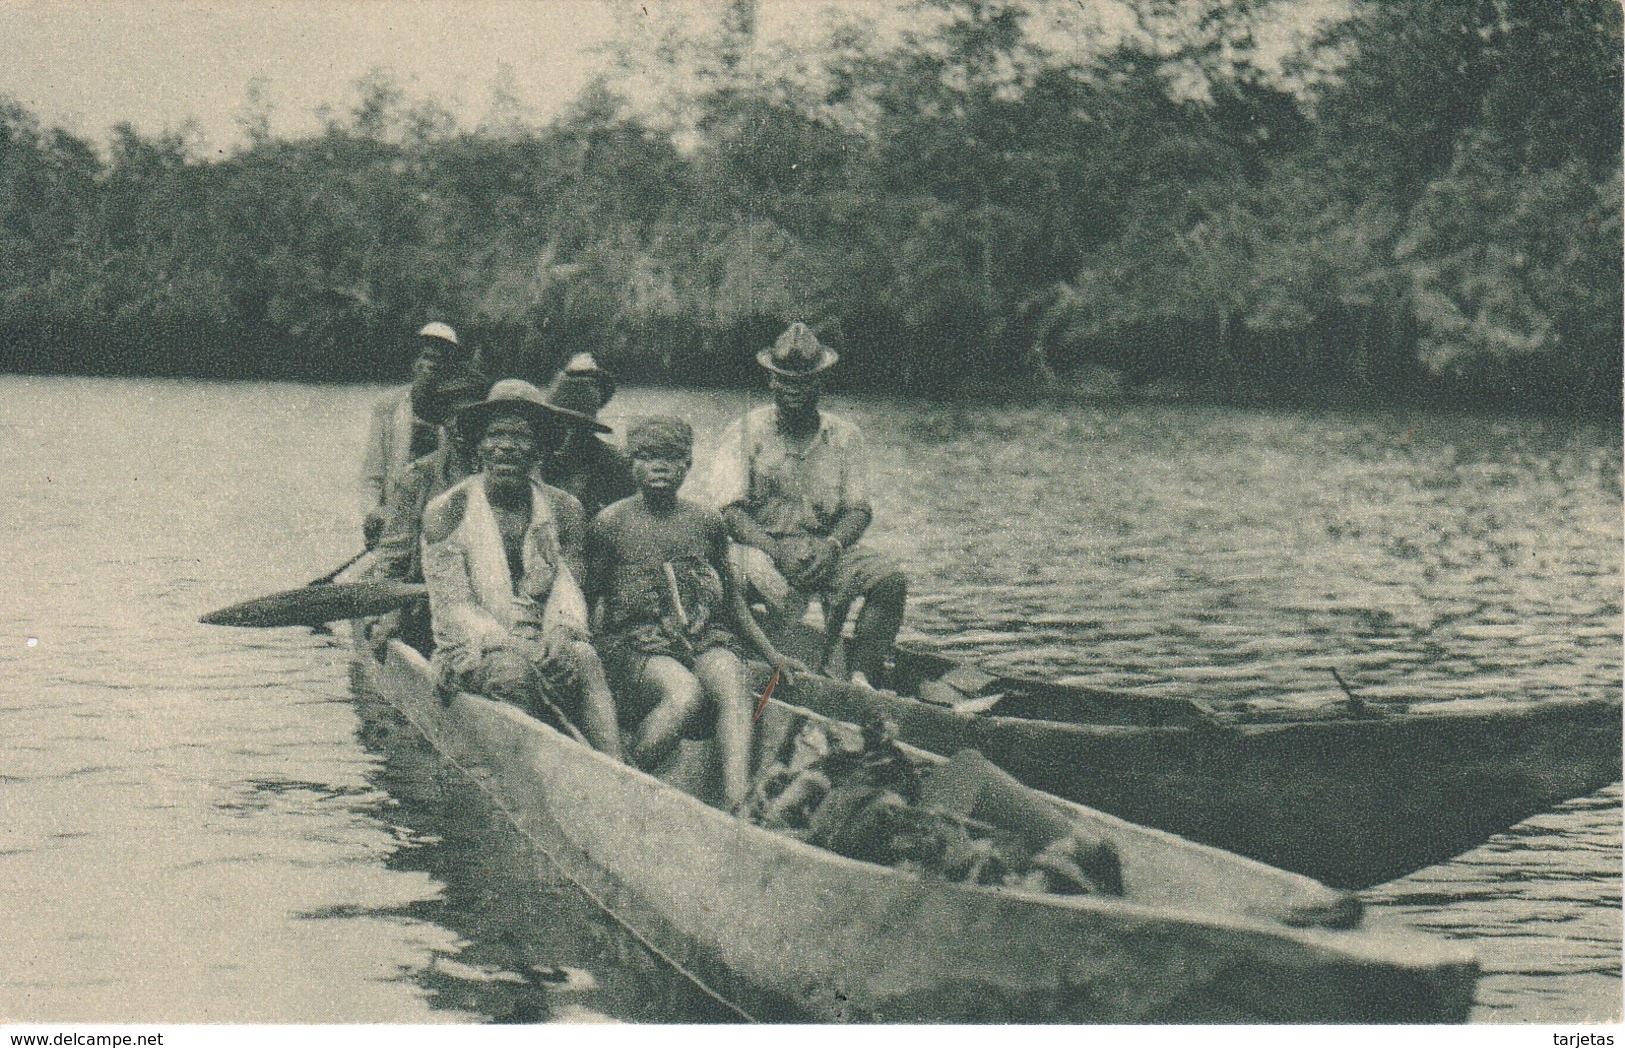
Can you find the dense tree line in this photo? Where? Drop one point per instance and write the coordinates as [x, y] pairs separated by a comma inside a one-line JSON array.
[[1422, 199]]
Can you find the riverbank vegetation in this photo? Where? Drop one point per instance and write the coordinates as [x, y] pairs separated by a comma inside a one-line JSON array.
[[1411, 199]]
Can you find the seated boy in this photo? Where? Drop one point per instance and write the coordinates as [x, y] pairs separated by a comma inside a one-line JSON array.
[[671, 614]]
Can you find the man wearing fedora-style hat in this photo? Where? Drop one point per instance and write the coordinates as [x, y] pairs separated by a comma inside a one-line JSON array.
[[584, 465], [502, 559], [789, 481], [405, 422]]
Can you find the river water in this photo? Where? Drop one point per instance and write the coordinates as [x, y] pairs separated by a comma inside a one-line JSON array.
[[197, 824]]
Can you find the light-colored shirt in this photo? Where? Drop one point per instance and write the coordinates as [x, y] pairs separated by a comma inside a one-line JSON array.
[[475, 603], [389, 446], [789, 486]]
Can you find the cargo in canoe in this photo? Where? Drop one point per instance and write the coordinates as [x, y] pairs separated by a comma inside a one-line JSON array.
[[1351, 798], [782, 930]]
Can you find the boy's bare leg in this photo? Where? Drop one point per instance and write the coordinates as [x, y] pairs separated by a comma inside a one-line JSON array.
[[677, 697], [723, 676], [597, 701]]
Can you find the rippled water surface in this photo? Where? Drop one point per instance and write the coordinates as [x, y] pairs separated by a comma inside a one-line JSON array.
[[198, 823]]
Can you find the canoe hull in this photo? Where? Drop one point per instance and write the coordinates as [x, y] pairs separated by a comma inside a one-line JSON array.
[[786, 931], [1349, 802]]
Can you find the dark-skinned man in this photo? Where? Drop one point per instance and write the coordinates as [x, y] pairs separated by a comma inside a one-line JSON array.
[[789, 480], [406, 422], [582, 464], [502, 556]]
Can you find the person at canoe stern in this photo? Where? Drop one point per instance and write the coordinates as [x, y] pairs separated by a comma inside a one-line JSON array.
[[397, 554], [406, 421], [671, 613], [501, 556], [789, 481]]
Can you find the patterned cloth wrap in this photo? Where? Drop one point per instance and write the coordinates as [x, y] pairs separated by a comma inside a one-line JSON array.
[[661, 628]]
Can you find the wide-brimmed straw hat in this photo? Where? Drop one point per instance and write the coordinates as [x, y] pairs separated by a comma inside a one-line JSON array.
[[516, 396], [797, 354]]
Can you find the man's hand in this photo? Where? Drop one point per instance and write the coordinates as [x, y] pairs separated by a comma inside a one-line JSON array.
[[558, 646], [815, 570], [372, 527]]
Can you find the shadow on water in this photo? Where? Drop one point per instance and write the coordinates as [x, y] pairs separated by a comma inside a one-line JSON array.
[[534, 948]]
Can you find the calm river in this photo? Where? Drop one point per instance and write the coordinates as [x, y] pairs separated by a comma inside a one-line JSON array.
[[196, 823]]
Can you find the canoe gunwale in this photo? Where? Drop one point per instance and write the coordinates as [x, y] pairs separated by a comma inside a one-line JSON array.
[[712, 981], [1335, 901], [1439, 975], [1350, 801]]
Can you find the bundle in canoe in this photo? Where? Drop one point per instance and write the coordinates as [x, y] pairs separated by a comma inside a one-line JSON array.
[[1351, 800], [781, 929]]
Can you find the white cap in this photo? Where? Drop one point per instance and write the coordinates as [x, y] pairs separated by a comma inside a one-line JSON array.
[[440, 331]]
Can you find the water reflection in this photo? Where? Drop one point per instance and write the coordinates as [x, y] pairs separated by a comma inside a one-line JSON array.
[[1541, 906], [531, 947], [236, 854]]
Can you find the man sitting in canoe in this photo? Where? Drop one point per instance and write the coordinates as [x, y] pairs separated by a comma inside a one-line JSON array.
[[658, 569], [406, 422], [587, 467], [501, 556], [788, 479], [398, 554]]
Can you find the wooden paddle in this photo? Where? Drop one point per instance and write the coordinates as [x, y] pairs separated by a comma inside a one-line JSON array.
[[314, 605], [336, 572]]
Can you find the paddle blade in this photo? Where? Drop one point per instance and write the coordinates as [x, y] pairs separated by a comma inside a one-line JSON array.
[[314, 605]]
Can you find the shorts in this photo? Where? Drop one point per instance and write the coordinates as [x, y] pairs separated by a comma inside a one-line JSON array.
[[625, 651]]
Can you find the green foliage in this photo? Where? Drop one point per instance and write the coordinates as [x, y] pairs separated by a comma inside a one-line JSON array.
[[1414, 193]]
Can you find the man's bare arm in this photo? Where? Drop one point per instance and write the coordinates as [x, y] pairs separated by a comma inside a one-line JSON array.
[[572, 528], [848, 528], [596, 555], [743, 527], [852, 523]]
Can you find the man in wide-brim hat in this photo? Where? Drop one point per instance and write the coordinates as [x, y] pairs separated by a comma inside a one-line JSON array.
[[790, 482], [586, 466], [502, 557], [406, 421]]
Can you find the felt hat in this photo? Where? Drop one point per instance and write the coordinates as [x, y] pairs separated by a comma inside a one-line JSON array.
[[463, 388], [797, 354], [516, 396], [581, 385]]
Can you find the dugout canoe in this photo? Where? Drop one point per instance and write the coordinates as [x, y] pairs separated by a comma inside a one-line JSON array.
[[1350, 797], [782, 930]]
